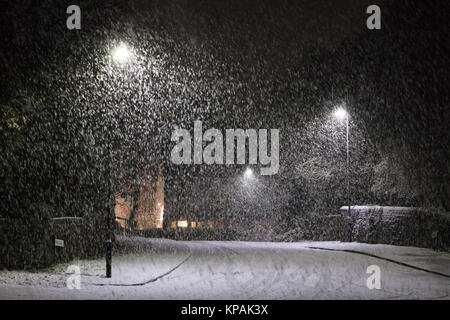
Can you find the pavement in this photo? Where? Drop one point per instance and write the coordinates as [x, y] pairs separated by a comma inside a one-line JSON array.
[[167, 269]]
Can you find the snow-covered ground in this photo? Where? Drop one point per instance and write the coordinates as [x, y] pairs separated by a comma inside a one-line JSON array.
[[166, 269]]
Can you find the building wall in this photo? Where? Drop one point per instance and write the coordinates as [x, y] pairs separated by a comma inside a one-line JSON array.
[[122, 210], [150, 204]]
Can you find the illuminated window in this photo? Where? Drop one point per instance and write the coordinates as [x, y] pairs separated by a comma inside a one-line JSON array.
[[193, 224], [173, 224], [161, 217], [182, 224]]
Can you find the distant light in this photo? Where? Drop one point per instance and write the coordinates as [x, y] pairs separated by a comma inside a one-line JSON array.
[[120, 54], [161, 216], [248, 173], [182, 223], [340, 113]]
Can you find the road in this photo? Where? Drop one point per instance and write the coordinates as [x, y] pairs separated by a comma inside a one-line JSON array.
[[166, 269]]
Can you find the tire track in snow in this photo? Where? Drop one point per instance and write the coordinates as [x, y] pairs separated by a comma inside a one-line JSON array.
[[383, 258], [146, 282]]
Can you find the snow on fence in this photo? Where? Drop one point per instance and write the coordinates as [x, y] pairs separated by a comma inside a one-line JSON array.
[[405, 226]]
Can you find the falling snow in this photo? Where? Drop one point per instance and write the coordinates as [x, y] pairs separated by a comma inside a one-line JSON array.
[[86, 122]]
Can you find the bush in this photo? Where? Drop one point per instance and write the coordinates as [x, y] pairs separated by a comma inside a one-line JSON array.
[[25, 244], [191, 234], [316, 228], [29, 243]]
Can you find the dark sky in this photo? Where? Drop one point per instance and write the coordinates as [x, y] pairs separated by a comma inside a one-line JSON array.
[[242, 64]]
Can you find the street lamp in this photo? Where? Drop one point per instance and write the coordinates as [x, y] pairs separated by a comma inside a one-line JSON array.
[[248, 173], [120, 55], [342, 114]]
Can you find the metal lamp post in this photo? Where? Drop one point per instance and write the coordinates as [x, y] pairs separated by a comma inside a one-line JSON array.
[[342, 114], [120, 55]]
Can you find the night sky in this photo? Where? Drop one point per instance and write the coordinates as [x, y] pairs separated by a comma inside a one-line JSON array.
[[231, 64]]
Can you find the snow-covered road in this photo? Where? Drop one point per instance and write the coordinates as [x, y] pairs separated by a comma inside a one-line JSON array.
[[242, 270]]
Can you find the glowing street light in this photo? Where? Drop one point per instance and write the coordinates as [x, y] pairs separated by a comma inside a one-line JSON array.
[[248, 173], [341, 114], [121, 54]]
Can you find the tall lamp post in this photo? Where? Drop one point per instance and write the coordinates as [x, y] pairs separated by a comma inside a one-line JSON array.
[[120, 55], [342, 114]]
